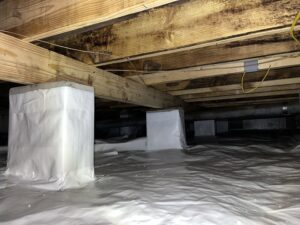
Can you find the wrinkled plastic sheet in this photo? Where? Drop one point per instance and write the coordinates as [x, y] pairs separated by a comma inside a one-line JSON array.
[[51, 134], [129, 145], [233, 182], [165, 129]]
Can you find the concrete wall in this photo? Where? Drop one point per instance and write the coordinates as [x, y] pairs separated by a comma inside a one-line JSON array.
[[204, 128], [222, 126], [265, 124]]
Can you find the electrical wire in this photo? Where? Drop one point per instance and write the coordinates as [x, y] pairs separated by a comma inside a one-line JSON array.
[[200, 68], [297, 18], [292, 31], [129, 60], [259, 85], [151, 71], [148, 71]]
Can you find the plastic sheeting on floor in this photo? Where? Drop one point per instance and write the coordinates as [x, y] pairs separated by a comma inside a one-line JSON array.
[[131, 145], [243, 183]]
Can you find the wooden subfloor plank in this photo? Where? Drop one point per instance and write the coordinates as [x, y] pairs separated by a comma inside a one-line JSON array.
[[189, 23], [38, 19]]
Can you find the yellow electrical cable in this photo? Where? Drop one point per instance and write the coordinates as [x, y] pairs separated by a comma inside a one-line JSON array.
[[262, 81], [292, 31]]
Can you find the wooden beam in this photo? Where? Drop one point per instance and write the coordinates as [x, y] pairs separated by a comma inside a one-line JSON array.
[[262, 43], [25, 63], [235, 67], [251, 95], [189, 23], [249, 102], [275, 74], [38, 19], [240, 92], [237, 87]]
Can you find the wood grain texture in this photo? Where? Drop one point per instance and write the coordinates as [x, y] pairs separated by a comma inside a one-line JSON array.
[[249, 102], [218, 53], [186, 24], [25, 63], [240, 92], [251, 95], [237, 87], [44, 18], [214, 70], [228, 79]]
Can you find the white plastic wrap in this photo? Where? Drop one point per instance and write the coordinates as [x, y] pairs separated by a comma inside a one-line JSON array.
[[132, 145], [51, 134], [165, 129], [247, 182]]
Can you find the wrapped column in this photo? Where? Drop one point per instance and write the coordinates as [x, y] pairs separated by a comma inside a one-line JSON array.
[[165, 129], [51, 134]]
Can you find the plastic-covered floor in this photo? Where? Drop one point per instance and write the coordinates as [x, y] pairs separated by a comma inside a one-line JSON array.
[[233, 182]]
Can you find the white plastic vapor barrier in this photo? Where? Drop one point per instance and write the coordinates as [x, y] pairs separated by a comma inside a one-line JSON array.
[[234, 182], [51, 134], [165, 129], [139, 144]]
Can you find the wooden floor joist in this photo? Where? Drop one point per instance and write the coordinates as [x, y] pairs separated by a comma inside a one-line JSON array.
[[186, 42], [237, 87], [229, 79], [38, 19], [240, 92], [250, 102], [240, 96], [25, 63], [261, 43], [189, 23], [275, 61]]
